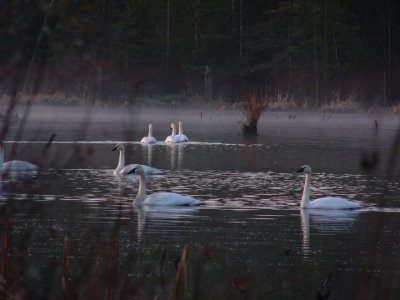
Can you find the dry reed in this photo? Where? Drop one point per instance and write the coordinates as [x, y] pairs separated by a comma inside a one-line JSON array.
[[174, 291]]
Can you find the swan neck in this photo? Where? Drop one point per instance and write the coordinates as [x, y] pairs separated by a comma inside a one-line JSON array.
[[121, 162], [173, 131], [305, 199], [141, 194], [150, 131], [1, 157], [180, 128]]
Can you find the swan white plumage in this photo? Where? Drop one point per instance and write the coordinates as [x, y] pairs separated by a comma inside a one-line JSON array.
[[160, 198], [324, 202], [149, 139], [181, 136], [124, 170], [16, 166], [173, 138]]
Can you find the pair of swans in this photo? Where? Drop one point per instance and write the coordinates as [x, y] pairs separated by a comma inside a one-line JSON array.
[[157, 199], [165, 198], [176, 138], [16, 167], [122, 170]]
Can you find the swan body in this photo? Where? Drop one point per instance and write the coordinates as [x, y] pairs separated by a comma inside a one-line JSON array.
[[173, 138], [181, 137], [16, 166], [123, 170], [19, 166], [149, 139], [160, 198], [324, 202]]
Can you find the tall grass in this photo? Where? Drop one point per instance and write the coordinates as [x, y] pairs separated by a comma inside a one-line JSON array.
[[337, 104]]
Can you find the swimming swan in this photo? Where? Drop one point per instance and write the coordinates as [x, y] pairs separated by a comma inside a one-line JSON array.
[[173, 138], [325, 202], [160, 198], [150, 139], [16, 166], [124, 170], [181, 136]]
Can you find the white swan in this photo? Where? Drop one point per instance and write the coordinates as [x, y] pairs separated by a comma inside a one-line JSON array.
[[325, 202], [16, 166], [124, 170], [150, 139], [160, 198], [181, 136], [173, 138]]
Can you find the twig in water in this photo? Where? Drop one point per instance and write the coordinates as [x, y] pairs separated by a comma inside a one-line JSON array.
[[327, 289], [48, 144], [162, 259], [65, 274], [4, 249]]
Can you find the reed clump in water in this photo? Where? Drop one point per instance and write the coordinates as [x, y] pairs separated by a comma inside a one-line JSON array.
[[253, 106]]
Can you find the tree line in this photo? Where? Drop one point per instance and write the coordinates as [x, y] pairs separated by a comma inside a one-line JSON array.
[[317, 50]]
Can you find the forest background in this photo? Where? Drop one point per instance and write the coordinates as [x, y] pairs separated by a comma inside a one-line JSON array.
[[312, 52]]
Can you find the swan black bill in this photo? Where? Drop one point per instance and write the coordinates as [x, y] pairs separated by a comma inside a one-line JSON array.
[[301, 170], [115, 148]]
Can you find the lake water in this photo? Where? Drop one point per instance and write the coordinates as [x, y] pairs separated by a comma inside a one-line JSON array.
[[249, 240]]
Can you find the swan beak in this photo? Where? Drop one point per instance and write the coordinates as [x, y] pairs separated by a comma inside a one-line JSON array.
[[115, 148], [300, 170]]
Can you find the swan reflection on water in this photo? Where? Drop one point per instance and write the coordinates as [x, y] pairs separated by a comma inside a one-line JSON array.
[[147, 150], [161, 215], [327, 221], [176, 153]]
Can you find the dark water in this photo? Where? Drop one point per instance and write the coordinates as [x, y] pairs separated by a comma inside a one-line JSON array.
[[249, 241]]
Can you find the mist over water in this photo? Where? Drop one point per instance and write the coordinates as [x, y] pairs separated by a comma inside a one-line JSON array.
[[249, 236], [328, 142]]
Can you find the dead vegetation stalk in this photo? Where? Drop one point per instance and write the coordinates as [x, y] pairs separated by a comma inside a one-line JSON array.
[[174, 291], [65, 273]]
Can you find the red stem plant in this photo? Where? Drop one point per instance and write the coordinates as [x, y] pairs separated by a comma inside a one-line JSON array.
[[253, 106]]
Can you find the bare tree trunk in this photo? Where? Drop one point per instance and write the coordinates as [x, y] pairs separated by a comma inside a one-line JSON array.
[[167, 51], [290, 59], [196, 27], [389, 45], [384, 88], [233, 19], [325, 41], [208, 83], [241, 28], [315, 62]]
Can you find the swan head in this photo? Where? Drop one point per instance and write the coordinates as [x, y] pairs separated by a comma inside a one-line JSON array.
[[305, 169], [137, 170], [119, 147]]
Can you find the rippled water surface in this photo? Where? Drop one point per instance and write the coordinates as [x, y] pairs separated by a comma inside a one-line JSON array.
[[249, 240]]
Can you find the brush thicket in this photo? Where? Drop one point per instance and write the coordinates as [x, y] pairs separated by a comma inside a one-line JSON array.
[[253, 106]]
